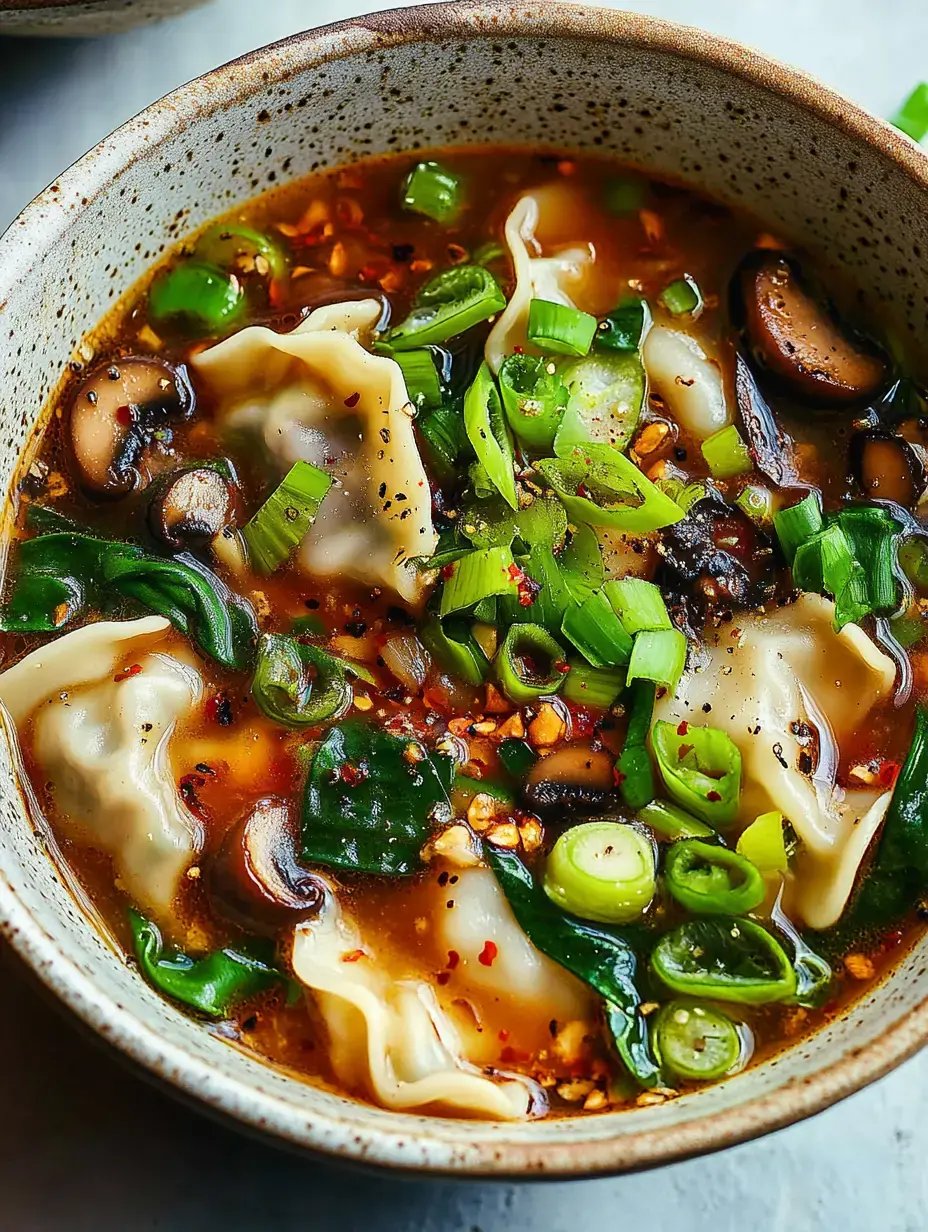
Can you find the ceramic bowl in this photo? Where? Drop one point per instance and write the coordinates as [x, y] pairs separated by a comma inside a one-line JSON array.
[[60, 18], [674, 101]]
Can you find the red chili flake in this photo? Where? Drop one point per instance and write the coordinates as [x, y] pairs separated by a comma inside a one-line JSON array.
[[447, 572], [443, 977], [368, 273], [516, 574], [889, 772], [562, 666], [503, 1035], [617, 776], [124, 416], [488, 954], [352, 775], [352, 956], [713, 796], [683, 728], [127, 673], [526, 594], [519, 350], [582, 490], [352, 399], [453, 959]]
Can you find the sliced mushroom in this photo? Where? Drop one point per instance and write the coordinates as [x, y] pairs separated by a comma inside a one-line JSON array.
[[888, 467], [575, 779], [192, 507], [255, 879], [113, 415], [797, 338]]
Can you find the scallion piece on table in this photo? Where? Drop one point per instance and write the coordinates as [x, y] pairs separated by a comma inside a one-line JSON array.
[[695, 1041], [529, 664], [912, 116], [423, 383], [757, 504], [598, 687], [682, 296], [488, 433], [455, 648], [560, 329], [202, 298], [477, 576], [638, 604], [635, 776], [603, 871], [798, 523], [446, 306], [285, 517], [597, 632], [701, 769], [432, 190], [658, 655], [534, 398], [726, 454], [624, 328]]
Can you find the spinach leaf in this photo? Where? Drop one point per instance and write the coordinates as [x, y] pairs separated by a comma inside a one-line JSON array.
[[603, 958], [60, 575], [214, 985], [372, 800]]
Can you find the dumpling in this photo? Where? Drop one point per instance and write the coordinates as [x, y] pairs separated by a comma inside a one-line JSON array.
[[784, 670], [390, 1037], [688, 380], [100, 737], [537, 277], [318, 395]]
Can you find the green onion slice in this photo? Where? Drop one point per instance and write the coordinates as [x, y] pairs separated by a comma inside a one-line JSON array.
[[432, 190], [701, 769], [726, 454], [695, 1041], [912, 116], [682, 296], [606, 394], [602, 870], [798, 523], [453, 645], [634, 772], [600, 486], [724, 959], [671, 823], [298, 685], [596, 631], [597, 687], [488, 433], [658, 655], [529, 664], [711, 880], [534, 398], [199, 298], [625, 328], [559, 329], [478, 575], [757, 503], [283, 520], [447, 306], [764, 843], [638, 604], [423, 383]]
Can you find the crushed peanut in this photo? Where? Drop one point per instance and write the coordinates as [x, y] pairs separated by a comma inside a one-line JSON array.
[[512, 729], [483, 809], [573, 1092], [486, 727], [595, 1101], [532, 834], [494, 702], [651, 437], [363, 702], [261, 604], [859, 967], [647, 1098], [455, 845], [338, 260], [547, 728], [460, 727], [504, 834]]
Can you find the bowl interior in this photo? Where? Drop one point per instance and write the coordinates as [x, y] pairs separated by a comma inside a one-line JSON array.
[[673, 101]]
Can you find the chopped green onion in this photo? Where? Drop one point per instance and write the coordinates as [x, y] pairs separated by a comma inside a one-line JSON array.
[[682, 296], [725, 960], [298, 685], [692, 493], [671, 823], [701, 769], [854, 558], [581, 564], [447, 306], [824, 562], [488, 433], [487, 253], [445, 439], [606, 394], [598, 687], [602, 870], [529, 664], [634, 773], [764, 844], [798, 523], [638, 604], [311, 625], [517, 757], [486, 611], [726, 454], [623, 196], [455, 648], [477, 576], [658, 655], [423, 383], [694, 1041], [559, 329], [873, 534], [625, 327], [534, 398], [200, 298], [225, 243], [757, 504], [281, 523], [711, 880], [596, 631], [432, 190], [600, 486], [912, 116]]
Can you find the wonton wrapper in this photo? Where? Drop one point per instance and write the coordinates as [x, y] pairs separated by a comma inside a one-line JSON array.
[[537, 277], [110, 771], [689, 381], [391, 1037], [318, 396], [786, 667]]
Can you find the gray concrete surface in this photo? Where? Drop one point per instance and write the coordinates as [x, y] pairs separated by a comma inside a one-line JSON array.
[[86, 1146]]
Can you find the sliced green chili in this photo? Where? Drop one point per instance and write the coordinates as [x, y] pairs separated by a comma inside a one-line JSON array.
[[724, 959], [602, 870], [529, 664], [447, 306], [701, 769], [534, 398], [606, 395], [602, 487], [712, 880], [695, 1041], [225, 243], [488, 433], [200, 298]]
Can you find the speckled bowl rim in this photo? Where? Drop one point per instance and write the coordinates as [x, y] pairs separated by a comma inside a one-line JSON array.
[[340, 1135]]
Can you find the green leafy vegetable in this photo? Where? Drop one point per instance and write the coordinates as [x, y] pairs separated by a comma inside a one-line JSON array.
[[912, 116], [624, 329]]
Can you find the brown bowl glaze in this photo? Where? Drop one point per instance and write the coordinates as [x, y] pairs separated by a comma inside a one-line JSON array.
[[59, 18]]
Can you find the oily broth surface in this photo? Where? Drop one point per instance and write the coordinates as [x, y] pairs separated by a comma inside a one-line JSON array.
[[375, 247]]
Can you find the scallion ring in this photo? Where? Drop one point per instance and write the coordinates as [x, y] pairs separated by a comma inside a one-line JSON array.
[[529, 664], [559, 329], [701, 769], [695, 1041], [534, 398], [712, 880], [602, 870]]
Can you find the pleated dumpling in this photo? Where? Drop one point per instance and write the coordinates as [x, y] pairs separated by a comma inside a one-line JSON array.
[[103, 703], [786, 684], [537, 277], [390, 1037], [318, 395]]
